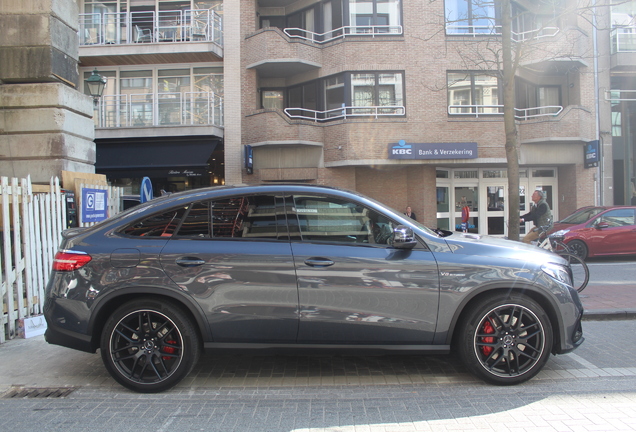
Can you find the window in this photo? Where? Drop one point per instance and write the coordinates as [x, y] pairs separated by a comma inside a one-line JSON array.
[[318, 218], [157, 225], [238, 217], [377, 90], [471, 17], [273, 99], [618, 218], [374, 16], [474, 93], [325, 98]]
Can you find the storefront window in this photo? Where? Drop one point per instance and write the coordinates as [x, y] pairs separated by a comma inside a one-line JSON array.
[[442, 200]]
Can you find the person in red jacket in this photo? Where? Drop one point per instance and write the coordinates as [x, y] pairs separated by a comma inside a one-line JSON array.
[[465, 215]]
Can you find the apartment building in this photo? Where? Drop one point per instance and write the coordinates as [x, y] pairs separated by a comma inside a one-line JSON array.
[[161, 115], [399, 99]]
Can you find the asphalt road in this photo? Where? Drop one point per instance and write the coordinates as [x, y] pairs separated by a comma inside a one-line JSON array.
[[593, 388]]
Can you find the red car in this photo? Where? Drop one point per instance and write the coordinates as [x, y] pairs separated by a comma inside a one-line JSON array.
[[599, 231]]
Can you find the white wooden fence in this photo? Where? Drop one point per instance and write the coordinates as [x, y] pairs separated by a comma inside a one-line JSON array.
[[31, 225]]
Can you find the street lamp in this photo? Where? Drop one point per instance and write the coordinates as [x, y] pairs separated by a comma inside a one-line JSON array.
[[96, 84]]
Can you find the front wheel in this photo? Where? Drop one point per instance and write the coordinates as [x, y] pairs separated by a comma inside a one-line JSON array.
[[149, 345], [505, 339], [580, 271], [577, 247]]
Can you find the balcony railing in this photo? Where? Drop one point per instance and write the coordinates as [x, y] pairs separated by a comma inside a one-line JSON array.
[[120, 28], [495, 30], [162, 109], [623, 39], [345, 112], [342, 32], [490, 110], [616, 96]]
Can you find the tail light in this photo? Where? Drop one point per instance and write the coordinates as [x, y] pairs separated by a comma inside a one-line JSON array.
[[70, 260]]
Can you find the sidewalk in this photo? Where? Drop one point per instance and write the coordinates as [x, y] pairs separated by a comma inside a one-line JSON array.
[[609, 301]]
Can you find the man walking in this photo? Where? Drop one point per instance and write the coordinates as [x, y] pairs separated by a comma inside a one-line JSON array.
[[540, 214]]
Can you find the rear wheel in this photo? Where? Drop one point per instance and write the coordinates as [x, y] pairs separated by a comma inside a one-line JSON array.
[[505, 339], [149, 345]]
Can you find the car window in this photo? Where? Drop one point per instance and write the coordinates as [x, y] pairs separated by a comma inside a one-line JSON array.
[[582, 215], [258, 216], [618, 217], [318, 218], [157, 225]]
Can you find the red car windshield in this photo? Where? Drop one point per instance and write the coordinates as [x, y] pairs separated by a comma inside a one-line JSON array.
[[582, 215]]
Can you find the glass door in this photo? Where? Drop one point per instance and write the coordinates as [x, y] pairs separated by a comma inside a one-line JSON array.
[[494, 197]]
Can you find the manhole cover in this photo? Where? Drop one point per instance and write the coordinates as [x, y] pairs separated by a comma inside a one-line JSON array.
[[38, 393]]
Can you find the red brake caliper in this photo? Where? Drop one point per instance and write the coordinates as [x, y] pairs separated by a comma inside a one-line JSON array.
[[488, 329], [169, 349]]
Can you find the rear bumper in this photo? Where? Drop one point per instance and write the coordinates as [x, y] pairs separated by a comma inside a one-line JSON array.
[[68, 339]]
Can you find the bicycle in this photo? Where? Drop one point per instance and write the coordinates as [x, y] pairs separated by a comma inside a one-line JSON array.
[[579, 271]]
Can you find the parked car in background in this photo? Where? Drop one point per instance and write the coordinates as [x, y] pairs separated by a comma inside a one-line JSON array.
[[129, 201], [283, 266], [599, 231]]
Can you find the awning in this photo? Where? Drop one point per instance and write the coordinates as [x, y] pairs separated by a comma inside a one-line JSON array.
[[179, 157]]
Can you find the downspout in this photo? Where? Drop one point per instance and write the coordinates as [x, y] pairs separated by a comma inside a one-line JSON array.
[[599, 182]]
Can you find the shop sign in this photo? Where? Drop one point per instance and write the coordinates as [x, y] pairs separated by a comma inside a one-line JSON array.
[[591, 154], [404, 150], [94, 205], [184, 173]]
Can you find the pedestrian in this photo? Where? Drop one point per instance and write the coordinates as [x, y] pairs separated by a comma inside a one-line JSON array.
[[540, 214], [410, 213], [465, 214]]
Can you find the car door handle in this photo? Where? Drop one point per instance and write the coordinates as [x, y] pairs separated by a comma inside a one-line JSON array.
[[319, 262], [190, 262]]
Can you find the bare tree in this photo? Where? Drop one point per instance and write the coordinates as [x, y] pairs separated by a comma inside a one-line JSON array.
[[500, 50]]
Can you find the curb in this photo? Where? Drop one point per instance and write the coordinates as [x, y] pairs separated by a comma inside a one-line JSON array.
[[609, 314]]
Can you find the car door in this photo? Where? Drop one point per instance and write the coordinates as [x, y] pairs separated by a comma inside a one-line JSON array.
[[353, 287], [234, 257], [614, 232]]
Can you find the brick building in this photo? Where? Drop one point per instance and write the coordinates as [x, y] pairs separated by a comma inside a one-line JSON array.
[[398, 99]]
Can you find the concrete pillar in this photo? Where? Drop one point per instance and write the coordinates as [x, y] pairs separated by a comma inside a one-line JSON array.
[[46, 124]]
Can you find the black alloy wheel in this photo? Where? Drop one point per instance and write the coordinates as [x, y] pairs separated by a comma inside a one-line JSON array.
[[149, 345], [506, 339], [578, 248]]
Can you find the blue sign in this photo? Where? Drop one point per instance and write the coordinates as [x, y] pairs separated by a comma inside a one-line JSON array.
[[591, 154], [404, 150], [94, 205], [145, 192]]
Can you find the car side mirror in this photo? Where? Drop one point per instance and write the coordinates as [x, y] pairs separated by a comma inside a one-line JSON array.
[[403, 237], [601, 225]]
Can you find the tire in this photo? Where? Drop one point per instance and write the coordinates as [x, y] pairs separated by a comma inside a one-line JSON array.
[[505, 339], [580, 271], [149, 345], [578, 248]]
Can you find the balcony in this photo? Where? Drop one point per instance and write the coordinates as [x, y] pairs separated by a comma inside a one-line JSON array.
[[194, 35], [345, 112], [148, 110], [343, 32], [497, 110], [623, 48], [573, 124]]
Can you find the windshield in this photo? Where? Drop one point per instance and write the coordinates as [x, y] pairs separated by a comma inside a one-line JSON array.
[[582, 216]]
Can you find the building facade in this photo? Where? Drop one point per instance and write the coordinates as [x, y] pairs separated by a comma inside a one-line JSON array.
[[161, 115], [399, 99]]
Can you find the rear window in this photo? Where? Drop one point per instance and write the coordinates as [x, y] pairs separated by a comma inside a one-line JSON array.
[[157, 225]]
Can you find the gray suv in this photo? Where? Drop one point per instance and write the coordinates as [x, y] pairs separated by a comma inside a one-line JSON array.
[[301, 266]]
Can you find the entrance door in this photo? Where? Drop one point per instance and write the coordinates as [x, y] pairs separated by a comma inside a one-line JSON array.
[[494, 199]]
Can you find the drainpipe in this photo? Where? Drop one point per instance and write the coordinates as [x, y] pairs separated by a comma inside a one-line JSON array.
[[599, 171]]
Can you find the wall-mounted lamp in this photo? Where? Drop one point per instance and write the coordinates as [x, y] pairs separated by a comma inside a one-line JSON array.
[[96, 84]]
